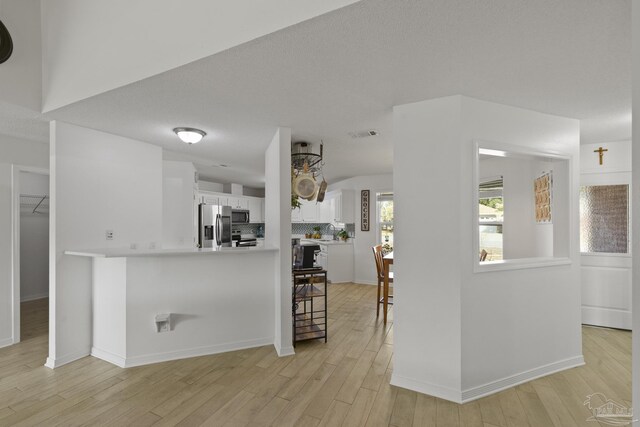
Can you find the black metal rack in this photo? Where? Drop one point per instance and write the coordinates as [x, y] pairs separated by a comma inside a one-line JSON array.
[[309, 305]]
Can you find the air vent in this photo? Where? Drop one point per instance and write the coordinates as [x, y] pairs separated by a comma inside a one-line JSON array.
[[364, 134]]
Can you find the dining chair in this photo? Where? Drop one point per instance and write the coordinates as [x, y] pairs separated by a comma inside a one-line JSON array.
[[377, 254]]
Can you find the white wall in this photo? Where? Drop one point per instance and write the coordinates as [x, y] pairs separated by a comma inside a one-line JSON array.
[[427, 276], [21, 75], [460, 334], [34, 241], [210, 186], [278, 231], [209, 313], [178, 216], [152, 37], [635, 208], [365, 268], [99, 182], [20, 152], [509, 318], [606, 278]]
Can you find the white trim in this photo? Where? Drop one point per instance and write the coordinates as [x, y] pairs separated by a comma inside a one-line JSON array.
[[35, 297], [474, 393], [6, 342], [435, 390], [519, 264], [15, 243], [284, 351], [523, 377], [513, 264], [128, 362], [56, 363], [365, 282], [109, 357], [606, 317]]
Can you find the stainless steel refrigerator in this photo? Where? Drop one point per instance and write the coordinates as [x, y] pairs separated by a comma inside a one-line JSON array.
[[214, 226]]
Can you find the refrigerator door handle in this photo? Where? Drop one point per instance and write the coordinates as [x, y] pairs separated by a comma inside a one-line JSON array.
[[218, 220]]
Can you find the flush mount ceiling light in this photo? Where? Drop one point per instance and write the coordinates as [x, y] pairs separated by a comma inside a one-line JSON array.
[[190, 135], [6, 44]]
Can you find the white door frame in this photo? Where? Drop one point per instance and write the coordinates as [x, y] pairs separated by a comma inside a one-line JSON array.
[[15, 242]]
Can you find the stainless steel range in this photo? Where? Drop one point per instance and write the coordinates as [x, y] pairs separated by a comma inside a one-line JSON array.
[[239, 241]]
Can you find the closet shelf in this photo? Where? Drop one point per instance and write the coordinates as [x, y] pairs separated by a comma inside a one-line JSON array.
[[34, 203]]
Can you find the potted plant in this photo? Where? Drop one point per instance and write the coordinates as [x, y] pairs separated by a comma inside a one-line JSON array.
[[316, 233], [343, 235], [295, 202]]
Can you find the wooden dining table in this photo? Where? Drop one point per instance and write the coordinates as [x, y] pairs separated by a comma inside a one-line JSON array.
[[387, 261]]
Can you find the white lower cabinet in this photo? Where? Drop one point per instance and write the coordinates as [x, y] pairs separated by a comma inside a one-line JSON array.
[[338, 261]]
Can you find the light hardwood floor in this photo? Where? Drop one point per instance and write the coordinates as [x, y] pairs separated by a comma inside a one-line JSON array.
[[343, 382]]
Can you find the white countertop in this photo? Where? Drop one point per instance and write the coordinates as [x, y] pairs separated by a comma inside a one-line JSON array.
[[327, 242], [126, 252]]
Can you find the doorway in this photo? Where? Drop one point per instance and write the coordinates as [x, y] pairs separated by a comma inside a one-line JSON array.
[[31, 198]]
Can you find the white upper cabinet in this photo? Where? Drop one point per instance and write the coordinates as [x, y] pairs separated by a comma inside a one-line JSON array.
[[209, 198], [255, 205], [308, 212], [341, 206], [238, 202], [325, 211]]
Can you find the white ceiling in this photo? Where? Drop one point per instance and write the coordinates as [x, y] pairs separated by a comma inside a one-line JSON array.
[[23, 123], [344, 71]]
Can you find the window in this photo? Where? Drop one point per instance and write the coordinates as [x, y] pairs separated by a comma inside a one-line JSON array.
[[491, 217], [385, 220], [523, 207], [604, 219]]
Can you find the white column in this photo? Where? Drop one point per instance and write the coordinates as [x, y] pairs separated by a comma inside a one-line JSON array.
[[462, 334], [635, 209], [278, 231]]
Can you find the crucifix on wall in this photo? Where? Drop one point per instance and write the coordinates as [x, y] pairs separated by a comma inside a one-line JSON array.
[[600, 152]]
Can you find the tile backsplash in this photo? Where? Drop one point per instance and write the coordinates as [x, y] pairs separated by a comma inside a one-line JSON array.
[[298, 228], [307, 228]]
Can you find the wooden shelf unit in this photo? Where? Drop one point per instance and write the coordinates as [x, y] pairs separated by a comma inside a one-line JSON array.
[[309, 298]]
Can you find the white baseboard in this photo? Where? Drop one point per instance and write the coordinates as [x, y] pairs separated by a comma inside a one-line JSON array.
[[129, 362], [109, 357], [6, 342], [57, 362], [34, 297], [474, 393], [435, 390], [606, 317], [523, 377], [284, 351], [366, 282]]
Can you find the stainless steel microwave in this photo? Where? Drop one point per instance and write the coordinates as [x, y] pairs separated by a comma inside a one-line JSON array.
[[240, 216]]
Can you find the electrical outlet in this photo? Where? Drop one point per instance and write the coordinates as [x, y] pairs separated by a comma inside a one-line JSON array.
[[109, 234]]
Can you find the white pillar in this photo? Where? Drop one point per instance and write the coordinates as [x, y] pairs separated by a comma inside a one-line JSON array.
[[461, 334], [278, 231], [635, 209]]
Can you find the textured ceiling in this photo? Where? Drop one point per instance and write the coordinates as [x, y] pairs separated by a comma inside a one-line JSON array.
[[344, 71], [23, 123]]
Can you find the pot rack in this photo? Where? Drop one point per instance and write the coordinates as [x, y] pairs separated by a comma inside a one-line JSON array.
[[301, 153]]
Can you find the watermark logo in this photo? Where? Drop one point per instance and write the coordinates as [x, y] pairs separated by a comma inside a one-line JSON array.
[[607, 411]]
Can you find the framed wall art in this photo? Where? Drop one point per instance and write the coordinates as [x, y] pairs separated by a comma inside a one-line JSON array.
[[364, 210], [543, 190]]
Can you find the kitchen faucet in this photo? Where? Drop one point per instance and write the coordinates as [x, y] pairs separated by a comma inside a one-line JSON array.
[[333, 235]]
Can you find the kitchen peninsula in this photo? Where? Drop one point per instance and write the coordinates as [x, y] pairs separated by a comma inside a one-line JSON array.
[[214, 302]]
